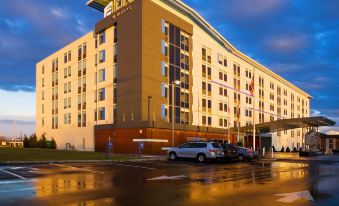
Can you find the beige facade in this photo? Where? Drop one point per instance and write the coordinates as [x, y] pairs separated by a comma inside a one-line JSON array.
[[148, 45]]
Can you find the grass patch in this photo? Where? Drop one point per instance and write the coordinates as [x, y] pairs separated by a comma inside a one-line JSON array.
[[30, 154]]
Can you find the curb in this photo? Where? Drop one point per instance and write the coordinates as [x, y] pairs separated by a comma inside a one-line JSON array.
[[78, 161], [299, 160]]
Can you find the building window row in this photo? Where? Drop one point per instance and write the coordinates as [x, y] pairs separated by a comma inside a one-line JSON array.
[[67, 57]]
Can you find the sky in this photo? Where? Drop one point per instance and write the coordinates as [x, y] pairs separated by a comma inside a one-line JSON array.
[[296, 39]]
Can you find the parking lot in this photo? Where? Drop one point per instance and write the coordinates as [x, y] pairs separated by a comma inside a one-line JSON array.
[[170, 183]]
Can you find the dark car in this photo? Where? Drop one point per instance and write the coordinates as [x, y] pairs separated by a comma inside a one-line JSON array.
[[230, 151], [244, 153]]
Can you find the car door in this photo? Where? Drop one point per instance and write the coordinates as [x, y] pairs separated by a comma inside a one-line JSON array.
[[183, 150], [195, 148], [232, 151]]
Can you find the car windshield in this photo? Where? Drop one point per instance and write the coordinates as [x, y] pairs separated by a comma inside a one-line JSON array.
[[215, 145]]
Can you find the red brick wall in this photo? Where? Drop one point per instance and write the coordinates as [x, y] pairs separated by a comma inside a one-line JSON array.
[[122, 139]]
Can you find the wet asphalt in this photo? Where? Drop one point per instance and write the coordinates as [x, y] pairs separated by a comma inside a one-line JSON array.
[[169, 183]]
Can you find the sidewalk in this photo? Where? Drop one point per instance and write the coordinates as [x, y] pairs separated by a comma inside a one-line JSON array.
[[134, 158], [283, 156]]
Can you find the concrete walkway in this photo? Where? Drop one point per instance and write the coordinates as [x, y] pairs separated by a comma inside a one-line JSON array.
[[284, 156]]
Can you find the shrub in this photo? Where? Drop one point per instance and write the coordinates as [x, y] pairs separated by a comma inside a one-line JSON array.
[[26, 141], [53, 144], [295, 149], [274, 150], [240, 144], [288, 149], [33, 141], [282, 149], [42, 143]]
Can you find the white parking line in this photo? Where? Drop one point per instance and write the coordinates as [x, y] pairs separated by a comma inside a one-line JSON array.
[[148, 168], [78, 168], [11, 173]]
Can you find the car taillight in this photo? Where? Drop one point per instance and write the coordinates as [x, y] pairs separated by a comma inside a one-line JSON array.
[[211, 150]]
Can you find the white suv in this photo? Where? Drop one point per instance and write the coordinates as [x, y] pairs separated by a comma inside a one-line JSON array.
[[197, 150]]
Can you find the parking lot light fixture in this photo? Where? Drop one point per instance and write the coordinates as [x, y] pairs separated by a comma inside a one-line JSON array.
[[174, 84]]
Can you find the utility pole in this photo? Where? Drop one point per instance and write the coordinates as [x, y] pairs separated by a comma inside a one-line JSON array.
[[174, 84]]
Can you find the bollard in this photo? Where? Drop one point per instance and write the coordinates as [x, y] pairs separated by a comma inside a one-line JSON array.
[[140, 147], [263, 152]]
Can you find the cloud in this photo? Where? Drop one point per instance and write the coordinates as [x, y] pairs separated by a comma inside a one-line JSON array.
[[19, 103], [315, 112], [291, 43], [30, 32]]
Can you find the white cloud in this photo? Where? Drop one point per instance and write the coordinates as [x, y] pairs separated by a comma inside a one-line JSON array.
[[315, 112], [18, 105]]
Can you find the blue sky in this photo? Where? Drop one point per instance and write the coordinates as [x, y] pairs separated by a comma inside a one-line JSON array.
[[296, 39]]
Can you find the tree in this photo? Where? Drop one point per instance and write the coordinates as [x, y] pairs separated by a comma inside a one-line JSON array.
[[274, 150], [33, 141], [53, 144], [26, 142], [42, 142], [288, 149], [282, 149]]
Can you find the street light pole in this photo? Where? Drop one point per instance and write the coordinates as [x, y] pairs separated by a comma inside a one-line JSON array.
[[174, 84]]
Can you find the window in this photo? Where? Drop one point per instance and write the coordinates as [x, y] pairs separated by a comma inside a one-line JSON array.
[[79, 119], [102, 75], [163, 90], [164, 69], [102, 56], [84, 48], [65, 58], [163, 111], [84, 119], [220, 59], [115, 73], [69, 71], [225, 61], [69, 56], [79, 53], [203, 53], [102, 94], [115, 33], [102, 38], [164, 48], [43, 69], [102, 113], [209, 119], [225, 92]]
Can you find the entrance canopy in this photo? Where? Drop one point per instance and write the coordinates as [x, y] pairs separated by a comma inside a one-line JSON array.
[[286, 124]]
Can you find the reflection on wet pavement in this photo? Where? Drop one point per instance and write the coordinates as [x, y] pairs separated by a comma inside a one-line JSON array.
[[255, 183]]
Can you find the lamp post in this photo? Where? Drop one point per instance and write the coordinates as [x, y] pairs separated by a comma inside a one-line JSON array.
[[174, 84]]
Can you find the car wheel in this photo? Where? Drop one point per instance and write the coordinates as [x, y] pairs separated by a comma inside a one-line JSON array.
[[241, 157], [172, 156], [201, 158]]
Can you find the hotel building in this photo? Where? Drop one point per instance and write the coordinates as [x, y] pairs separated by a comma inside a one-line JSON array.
[[122, 80]]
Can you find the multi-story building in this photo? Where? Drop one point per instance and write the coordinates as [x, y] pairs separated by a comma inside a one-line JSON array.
[[144, 58]]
